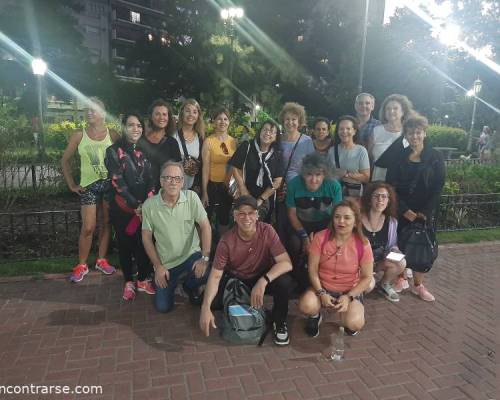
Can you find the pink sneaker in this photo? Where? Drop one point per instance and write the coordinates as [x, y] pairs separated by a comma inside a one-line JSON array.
[[79, 272], [423, 293], [146, 286], [401, 284], [129, 291], [104, 266]]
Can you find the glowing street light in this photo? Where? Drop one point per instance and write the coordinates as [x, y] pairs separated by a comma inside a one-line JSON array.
[[232, 13], [475, 92], [449, 35], [39, 68]]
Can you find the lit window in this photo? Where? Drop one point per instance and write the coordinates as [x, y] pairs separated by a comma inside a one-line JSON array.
[[135, 17], [300, 38], [150, 37]]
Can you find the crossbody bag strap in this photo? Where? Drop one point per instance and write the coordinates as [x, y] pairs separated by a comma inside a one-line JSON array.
[[245, 163], [336, 154], [183, 143], [289, 162]]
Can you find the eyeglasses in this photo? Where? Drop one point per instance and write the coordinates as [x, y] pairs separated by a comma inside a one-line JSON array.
[[224, 148], [169, 179], [382, 196], [269, 131]]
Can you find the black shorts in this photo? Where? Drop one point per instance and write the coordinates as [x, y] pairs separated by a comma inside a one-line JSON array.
[[359, 297]]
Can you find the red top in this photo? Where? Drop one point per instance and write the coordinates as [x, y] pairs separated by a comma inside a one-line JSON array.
[[339, 268], [248, 259]]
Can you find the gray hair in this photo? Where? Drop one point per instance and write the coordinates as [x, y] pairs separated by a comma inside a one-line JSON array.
[[171, 163], [363, 95], [315, 162]]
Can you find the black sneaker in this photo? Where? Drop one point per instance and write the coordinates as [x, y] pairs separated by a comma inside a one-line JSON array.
[[312, 325], [350, 332], [195, 296], [281, 336]]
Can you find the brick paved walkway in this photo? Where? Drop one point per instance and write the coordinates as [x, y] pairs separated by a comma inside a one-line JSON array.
[[55, 333]]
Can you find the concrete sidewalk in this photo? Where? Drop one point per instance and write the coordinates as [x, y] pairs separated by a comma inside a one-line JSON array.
[[55, 333]]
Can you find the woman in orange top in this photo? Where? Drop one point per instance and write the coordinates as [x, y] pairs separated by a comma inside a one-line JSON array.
[[340, 270], [217, 150]]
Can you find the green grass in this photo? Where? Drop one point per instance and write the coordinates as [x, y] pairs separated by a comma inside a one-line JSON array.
[[472, 236], [37, 268]]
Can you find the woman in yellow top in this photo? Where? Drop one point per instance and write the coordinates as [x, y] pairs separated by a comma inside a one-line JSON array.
[[217, 150], [91, 144]]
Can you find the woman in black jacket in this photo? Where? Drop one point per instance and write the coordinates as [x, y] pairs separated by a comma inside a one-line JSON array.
[[418, 178], [132, 183]]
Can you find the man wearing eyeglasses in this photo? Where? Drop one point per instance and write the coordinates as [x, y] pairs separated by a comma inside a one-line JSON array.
[[252, 252], [171, 218]]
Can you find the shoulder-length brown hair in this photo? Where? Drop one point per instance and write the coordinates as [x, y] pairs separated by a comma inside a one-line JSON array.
[[171, 126], [358, 226], [392, 206], [199, 126]]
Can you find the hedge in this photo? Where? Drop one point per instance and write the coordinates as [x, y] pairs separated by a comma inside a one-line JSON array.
[[446, 136]]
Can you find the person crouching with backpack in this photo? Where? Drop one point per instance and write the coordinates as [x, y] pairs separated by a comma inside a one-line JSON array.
[[340, 268], [252, 252]]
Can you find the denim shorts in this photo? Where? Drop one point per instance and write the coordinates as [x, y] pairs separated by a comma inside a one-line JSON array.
[[95, 193], [359, 297]]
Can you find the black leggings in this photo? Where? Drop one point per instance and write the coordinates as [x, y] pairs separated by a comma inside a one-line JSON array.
[[280, 289], [129, 246], [219, 201]]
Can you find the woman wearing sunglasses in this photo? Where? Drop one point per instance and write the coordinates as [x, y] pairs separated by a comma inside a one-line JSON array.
[[378, 215], [217, 150], [340, 269]]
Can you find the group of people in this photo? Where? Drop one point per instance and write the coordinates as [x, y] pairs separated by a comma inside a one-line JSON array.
[[285, 213]]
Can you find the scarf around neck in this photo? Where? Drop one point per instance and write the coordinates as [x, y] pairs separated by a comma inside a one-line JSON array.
[[263, 164]]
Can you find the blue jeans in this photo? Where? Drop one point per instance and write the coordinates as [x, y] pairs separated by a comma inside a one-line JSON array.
[[164, 297]]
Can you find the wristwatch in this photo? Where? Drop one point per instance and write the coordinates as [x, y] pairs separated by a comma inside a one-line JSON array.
[[320, 292], [205, 258]]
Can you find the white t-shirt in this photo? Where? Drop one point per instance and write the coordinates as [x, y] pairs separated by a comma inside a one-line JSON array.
[[382, 139], [193, 149]]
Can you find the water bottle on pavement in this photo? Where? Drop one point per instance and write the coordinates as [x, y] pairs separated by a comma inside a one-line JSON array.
[[408, 273], [338, 351]]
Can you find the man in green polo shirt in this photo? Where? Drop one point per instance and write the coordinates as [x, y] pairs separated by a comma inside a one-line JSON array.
[[171, 217]]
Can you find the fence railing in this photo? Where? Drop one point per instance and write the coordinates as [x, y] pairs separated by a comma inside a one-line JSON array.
[[30, 176], [469, 211], [468, 161], [29, 235]]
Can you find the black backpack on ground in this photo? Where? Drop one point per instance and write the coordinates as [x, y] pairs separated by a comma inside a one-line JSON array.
[[241, 323]]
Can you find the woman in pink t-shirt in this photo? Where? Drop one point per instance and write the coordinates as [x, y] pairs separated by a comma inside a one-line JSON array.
[[340, 270]]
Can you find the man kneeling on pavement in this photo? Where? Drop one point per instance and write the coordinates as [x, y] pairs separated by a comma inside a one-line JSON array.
[[252, 252], [171, 218]]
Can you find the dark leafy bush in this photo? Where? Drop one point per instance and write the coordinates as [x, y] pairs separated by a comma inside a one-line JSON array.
[[446, 136], [468, 178]]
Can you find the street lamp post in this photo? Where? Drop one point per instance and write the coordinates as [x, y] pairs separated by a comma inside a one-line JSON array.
[[474, 92], [363, 48], [39, 68], [229, 16]]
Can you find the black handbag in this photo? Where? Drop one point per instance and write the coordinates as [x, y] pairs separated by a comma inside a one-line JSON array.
[[418, 243]]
